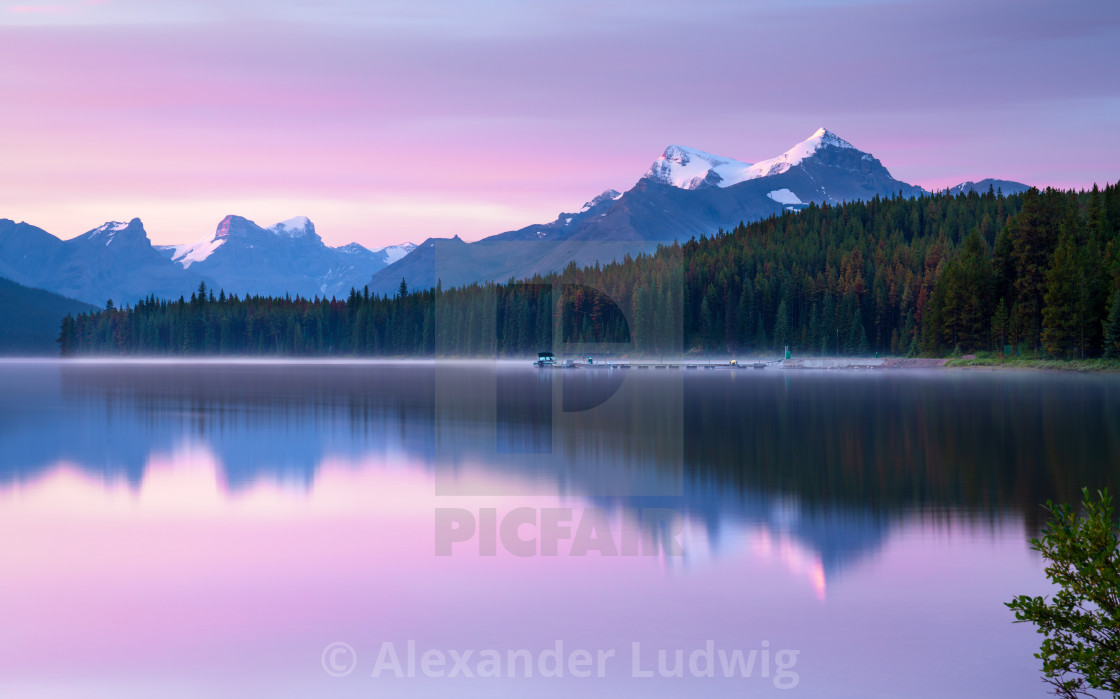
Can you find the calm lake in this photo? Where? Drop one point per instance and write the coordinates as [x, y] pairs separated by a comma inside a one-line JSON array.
[[490, 529]]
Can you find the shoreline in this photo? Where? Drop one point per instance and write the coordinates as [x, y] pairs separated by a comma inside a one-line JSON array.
[[968, 363], [1080, 366]]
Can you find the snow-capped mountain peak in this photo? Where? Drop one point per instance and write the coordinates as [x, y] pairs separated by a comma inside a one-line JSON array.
[[388, 254], [396, 252], [794, 156], [826, 137], [110, 227], [108, 231], [353, 249], [294, 227], [187, 254], [609, 195], [689, 168], [288, 257]]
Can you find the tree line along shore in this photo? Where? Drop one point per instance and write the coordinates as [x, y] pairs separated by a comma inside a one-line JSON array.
[[1033, 276]]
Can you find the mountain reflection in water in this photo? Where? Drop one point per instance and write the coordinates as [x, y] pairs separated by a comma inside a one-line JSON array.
[[829, 459]]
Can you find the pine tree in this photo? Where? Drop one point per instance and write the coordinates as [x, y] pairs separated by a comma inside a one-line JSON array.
[[1112, 329], [781, 327], [1003, 265], [857, 344], [813, 331], [761, 344], [1033, 238], [66, 336], [830, 333], [711, 324], [1062, 323], [975, 281], [1000, 322], [932, 326], [1092, 280], [1059, 316], [863, 347], [746, 312], [1018, 326], [915, 346]]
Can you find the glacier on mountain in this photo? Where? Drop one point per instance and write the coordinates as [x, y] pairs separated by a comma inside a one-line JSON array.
[[189, 253], [396, 252], [689, 168]]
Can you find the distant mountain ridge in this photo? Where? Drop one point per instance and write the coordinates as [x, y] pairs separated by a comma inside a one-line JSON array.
[[32, 318], [118, 261], [286, 258], [1005, 187], [113, 261], [686, 192]]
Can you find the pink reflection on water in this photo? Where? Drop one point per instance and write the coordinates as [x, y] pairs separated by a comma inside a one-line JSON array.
[[767, 546], [178, 584]]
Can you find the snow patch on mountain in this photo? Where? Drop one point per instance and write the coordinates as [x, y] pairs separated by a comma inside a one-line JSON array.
[[188, 254], [109, 229], [293, 227], [396, 252], [354, 249], [784, 196], [609, 195], [689, 168]]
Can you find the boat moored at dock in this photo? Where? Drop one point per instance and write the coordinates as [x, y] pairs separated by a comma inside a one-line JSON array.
[[545, 359]]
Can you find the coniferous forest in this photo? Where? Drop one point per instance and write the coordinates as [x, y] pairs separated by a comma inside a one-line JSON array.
[[1036, 274]]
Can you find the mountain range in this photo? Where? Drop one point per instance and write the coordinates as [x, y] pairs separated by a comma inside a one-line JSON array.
[[684, 193], [286, 258], [118, 261]]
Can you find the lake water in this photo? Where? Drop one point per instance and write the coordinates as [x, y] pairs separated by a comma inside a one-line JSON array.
[[368, 529]]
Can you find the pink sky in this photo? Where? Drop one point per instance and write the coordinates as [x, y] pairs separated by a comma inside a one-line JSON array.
[[394, 121]]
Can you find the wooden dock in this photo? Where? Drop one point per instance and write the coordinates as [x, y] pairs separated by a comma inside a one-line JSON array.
[[667, 366]]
